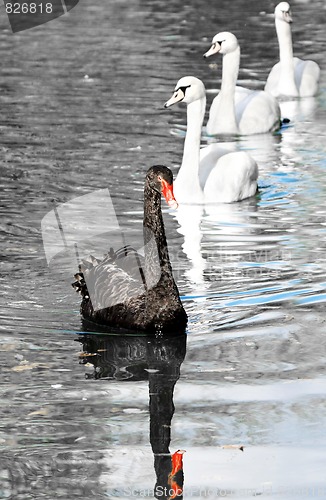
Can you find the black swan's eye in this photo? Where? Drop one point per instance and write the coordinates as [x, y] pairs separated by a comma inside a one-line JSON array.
[[160, 178]]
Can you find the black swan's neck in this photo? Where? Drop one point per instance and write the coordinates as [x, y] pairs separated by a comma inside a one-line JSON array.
[[154, 234]]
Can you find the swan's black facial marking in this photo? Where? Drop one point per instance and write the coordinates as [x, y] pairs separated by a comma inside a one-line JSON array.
[[214, 48], [178, 95], [182, 89], [287, 15], [218, 42]]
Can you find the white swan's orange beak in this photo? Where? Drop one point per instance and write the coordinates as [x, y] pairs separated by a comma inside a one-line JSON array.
[[167, 191], [178, 96], [287, 17], [215, 48]]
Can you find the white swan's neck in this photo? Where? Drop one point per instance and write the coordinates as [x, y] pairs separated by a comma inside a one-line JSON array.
[[187, 187], [230, 72], [287, 82]]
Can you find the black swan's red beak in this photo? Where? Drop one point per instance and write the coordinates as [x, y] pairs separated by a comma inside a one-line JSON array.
[[167, 191], [175, 479], [177, 462]]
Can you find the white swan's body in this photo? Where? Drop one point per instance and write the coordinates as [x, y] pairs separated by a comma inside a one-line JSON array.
[[291, 76], [237, 110], [211, 174]]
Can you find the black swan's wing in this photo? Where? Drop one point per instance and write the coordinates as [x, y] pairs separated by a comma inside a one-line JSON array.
[[131, 261], [114, 280]]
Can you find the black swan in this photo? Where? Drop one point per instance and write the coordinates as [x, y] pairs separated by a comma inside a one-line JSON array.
[[150, 305]]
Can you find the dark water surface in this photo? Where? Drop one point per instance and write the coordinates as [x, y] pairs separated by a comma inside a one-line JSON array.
[[81, 110]]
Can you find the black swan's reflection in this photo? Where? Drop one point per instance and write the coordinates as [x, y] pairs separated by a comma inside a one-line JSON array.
[[141, 358]]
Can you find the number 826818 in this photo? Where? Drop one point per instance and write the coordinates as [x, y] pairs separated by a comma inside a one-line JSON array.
[[29, 8]]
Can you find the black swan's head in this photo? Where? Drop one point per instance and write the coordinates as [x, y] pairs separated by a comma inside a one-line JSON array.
[[160, 179]]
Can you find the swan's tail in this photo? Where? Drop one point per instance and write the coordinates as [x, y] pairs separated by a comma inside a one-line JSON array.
[[86, 265], [80, 285]]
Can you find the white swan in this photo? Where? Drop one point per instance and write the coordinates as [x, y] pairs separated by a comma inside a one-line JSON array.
[[291, 76], [237, 110], [211, 174]]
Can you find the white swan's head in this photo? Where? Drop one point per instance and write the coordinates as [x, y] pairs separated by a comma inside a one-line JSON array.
[[283, 12], [223, 43], [188, 89]]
